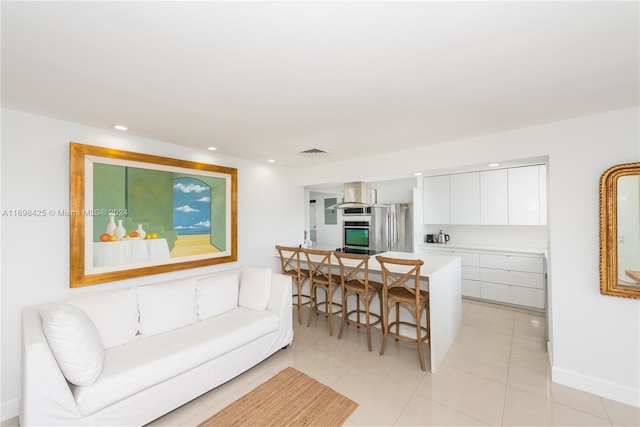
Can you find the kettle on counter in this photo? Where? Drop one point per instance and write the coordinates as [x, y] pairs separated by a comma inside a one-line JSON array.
[[441, 237]]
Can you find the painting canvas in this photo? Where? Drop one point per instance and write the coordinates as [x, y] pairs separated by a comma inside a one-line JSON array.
[[134, 214]]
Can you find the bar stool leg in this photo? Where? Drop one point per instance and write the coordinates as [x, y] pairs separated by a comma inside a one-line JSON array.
[[344, 313], [314, 300], [385, 330], [419, 339]]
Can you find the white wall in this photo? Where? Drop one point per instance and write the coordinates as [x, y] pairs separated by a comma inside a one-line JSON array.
[[595, 339], [327, 235], [35, 251], [395, 191], [532, 237]]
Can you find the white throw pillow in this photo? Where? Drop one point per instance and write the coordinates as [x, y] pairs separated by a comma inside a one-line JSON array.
[[114, 313], [75, 343], [217, 294], [255, 288], [166, 306]]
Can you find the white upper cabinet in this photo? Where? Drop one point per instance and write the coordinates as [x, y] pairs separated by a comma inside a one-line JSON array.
[[465, 198], [524, 195], [512, 196], [436, 199], [494, 202]]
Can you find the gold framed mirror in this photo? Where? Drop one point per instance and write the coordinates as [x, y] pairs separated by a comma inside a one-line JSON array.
[[620, 231]]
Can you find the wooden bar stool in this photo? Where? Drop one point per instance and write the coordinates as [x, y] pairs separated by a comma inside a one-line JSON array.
[[290, 264], [319, 263], [401, 282], [354, 278]]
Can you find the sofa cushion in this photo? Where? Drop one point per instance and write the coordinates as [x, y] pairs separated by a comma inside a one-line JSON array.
[[255, 288], [142, 363], [166, 306], [75, 343], [217, 293], [114, 313]]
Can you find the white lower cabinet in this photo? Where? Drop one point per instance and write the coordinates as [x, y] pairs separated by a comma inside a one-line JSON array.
[[512, 294], [470, 273], [470, 288], [513, 279], [509, 278]]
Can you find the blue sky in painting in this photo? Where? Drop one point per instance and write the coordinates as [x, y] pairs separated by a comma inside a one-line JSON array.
[[191, 206]]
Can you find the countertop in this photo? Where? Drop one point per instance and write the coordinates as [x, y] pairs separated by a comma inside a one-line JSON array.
[[481, 247], [433, 263]]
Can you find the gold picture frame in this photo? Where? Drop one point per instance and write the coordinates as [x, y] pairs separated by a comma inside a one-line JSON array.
[[134, 214], [620, 231]]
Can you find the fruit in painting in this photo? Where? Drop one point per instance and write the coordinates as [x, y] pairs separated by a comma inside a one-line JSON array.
[[154, 235], [134, 234], [113, 238], [105, 237], [148, 236]]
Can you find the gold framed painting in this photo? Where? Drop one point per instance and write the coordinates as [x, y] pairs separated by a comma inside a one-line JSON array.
[[135, 214]]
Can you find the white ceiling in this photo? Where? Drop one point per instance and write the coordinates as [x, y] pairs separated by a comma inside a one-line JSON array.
[[263, 80]]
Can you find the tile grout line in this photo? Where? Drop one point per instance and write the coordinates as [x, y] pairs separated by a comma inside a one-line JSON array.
[[506, 388]]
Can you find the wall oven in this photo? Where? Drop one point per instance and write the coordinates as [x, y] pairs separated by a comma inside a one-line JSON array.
[[355, 234]]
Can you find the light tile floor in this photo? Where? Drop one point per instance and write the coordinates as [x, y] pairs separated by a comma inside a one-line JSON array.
[[496, 373]]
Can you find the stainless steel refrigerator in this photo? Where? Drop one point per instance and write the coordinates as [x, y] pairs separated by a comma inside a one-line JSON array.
[[392, 228]]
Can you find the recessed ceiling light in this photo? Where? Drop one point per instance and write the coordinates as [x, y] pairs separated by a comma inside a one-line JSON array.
[[271, 161], [212, 148], [120, 127], [493, 165], [418, 173]]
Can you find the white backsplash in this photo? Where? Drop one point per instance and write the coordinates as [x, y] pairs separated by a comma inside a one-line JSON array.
[[516, 236]]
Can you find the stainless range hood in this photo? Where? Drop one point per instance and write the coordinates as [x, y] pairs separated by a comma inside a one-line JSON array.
[[357, 195]]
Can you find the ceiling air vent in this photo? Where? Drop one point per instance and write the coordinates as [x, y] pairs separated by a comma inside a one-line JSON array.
[[313, 152]]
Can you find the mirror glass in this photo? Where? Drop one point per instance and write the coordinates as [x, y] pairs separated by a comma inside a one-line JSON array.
[[620, 231], [629, 230]]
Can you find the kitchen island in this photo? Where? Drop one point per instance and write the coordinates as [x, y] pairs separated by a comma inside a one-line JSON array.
[[441, 275]]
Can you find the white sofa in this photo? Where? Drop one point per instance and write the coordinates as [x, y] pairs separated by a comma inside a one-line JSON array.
[[126, 357]]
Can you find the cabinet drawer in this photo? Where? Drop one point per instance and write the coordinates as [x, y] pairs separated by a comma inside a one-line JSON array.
[[469, 259], [512, 262], [471, 273], [508, 277], [527, 297], [466, 258], [442, 252], [470, 288]]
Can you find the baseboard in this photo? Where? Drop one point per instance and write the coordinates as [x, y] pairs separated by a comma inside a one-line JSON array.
[[606, 389], [9, 409]]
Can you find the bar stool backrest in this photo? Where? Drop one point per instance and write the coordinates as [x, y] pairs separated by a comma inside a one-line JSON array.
[[348, 273], [290, 260], [398, 272], [317, 260]]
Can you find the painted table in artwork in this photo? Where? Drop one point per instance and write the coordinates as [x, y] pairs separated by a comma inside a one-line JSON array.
[[129, 251]]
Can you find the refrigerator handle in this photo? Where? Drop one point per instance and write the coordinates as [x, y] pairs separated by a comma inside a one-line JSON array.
[[392, 228], [388, 231]]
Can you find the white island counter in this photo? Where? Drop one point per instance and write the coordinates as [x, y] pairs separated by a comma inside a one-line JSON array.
[[443, 276]]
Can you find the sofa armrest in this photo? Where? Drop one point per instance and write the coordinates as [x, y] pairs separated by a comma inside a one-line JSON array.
[[45, 392], [280, 300]]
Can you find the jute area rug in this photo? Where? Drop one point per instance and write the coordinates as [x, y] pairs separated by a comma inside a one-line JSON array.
[[291, 398]]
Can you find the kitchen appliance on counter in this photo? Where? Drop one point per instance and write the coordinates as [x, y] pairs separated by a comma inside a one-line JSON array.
[[442, 238], [392, 227]]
